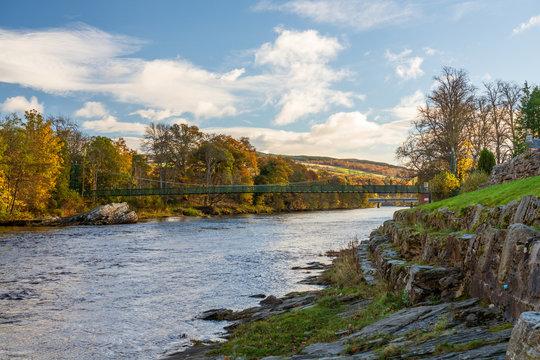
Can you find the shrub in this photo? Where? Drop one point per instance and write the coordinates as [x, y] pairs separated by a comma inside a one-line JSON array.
[[474, 181], [443, 185]]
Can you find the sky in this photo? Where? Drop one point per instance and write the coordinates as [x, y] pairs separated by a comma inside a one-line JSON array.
[[340, 78]]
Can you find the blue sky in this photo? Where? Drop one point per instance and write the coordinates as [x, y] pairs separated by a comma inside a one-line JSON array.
[[339, 78]]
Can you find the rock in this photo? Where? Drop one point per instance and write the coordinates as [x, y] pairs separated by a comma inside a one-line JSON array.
[[215, 314], [520, 167], [525, 340], [270, 301], [110, 214], [427, 281], [528, 211], [258, 296]]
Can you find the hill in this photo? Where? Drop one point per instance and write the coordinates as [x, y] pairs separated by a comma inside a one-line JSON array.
[[349, 166]]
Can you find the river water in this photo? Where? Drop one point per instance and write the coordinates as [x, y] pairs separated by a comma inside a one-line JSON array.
[[133, 291]]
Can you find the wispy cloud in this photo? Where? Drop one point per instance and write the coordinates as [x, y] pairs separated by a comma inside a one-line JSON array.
[[21, 104], [105, 122], [534, 21], [406, 67], [407, 109], [294, 74], [356, 14]]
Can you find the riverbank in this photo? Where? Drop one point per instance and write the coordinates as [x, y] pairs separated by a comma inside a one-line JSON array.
[[357, 317]]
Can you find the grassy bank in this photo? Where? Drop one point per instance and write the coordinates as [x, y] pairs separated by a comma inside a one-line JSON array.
[[492, 196]]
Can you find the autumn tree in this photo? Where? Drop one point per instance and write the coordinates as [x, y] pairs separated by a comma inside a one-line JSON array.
[[31, 161], [442, 125], [108, 163], [184, 140]]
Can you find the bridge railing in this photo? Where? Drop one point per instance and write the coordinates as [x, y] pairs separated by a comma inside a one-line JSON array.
[[258, 189]]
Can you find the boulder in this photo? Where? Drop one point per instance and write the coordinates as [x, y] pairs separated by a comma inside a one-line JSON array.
[[110, 214], [525, 339]]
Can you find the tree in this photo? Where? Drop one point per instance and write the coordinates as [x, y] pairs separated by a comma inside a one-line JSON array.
[[442, 125], [33, 162], [108, 163], [528, 118], [511, 96], [496, 115], [157, 143], [486, 162], [184, 141], [443, 185]]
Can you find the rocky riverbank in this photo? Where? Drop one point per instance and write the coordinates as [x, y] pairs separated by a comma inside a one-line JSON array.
[[465, 328]]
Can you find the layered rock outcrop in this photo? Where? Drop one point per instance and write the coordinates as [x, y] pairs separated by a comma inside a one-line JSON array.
[[520, 167], [525, 340], [493, 254]]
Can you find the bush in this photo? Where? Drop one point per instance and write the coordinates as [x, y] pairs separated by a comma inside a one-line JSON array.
[[486, 162], [474, 181], [443, 185]]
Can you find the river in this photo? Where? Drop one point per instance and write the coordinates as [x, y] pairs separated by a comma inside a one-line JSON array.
[[133, 291]]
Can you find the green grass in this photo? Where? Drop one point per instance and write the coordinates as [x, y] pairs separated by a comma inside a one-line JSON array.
[[492, 196], [286, 334]]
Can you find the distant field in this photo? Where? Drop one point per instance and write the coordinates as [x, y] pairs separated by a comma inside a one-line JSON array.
[[339, 170]]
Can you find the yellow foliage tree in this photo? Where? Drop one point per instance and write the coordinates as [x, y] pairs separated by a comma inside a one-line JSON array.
[[31, 161], [465, 161]]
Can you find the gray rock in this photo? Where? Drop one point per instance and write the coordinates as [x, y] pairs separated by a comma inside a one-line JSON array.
[[321, 350], [110, 214], [525, 340], [271, 301], [215, 314]]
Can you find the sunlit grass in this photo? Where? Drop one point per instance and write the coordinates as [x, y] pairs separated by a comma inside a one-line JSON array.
[[492, 196]]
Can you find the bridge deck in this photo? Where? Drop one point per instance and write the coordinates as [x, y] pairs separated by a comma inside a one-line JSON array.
[[260, 189]]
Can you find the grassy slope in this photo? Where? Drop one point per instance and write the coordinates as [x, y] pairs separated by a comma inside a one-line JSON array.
[[492, 196], [340, 170]]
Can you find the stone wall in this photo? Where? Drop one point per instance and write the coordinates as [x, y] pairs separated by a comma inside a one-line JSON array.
[[489, 253], [520, 167]]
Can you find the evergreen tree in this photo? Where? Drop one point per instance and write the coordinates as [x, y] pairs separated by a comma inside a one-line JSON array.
[[486, 162], [528, 118]]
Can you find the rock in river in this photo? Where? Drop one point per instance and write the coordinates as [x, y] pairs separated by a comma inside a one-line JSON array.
[[110, 214]]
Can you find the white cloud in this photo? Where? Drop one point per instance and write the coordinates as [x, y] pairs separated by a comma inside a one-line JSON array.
[[407, 109], [534, 21], [406, 67], [153, 114], [357, 14], [295, 74], [345, 134], [21, 104], [109, 124], [302, 78], [133, 142], [429, 51], [92, 109], [106, 123], [461, 9]]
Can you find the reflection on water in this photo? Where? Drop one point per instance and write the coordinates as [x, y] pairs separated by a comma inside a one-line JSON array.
[[132, 291]]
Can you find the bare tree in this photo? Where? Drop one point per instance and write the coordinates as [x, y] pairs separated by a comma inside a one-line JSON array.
[[481, 128], [493, 93], [442, 125], [510, 100]]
